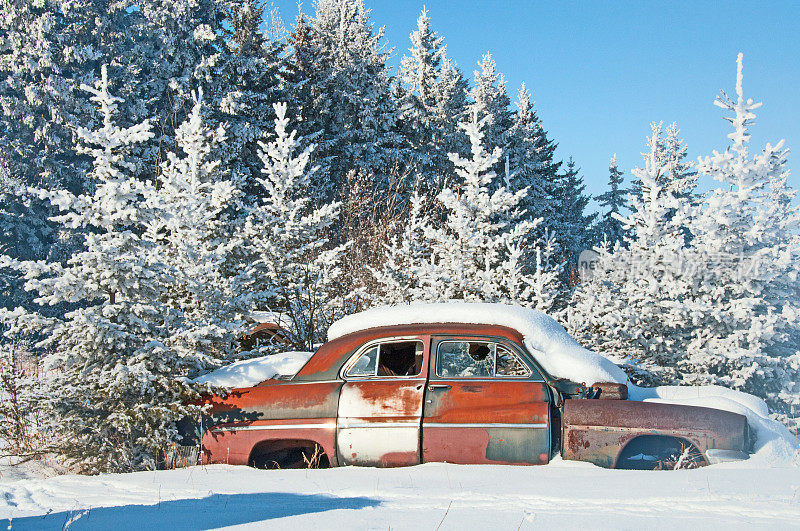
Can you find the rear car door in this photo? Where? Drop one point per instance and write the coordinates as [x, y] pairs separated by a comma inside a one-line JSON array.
[[485, 402], [380, 405]]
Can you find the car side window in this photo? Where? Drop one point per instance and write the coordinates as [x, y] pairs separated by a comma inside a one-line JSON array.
[[477, 359], [393, 358]]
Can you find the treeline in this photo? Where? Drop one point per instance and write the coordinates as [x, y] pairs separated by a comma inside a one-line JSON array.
[[173, 167]]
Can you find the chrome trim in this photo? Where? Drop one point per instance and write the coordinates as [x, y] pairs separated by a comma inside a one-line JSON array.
[[407, 424], [299, 382], [275, 427], [405, 379], [716, 455], [482, 425]]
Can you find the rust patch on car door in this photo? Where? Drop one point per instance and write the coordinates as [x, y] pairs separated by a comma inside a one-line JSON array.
[[491, 421]]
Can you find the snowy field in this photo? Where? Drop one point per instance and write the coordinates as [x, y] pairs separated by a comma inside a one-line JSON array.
[[561, 495]]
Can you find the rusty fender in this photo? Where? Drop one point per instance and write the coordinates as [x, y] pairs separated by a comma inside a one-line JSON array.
[[274, 410], [598, 430]]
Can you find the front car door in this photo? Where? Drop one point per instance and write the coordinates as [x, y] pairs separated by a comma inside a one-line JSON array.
[[380, 405], [485, 402]]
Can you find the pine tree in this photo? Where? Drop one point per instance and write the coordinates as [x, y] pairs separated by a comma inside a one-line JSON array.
[[746, 238], [191, 233], [610, 228], [478, 252], [338, 65], [251, 77], [630, 308], [433, 97], [670, 151], [572, 227], [114, 384], [287, 264], [490, 100]]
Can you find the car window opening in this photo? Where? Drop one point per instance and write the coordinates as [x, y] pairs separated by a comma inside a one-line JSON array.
[[477, 359], [400, 358]]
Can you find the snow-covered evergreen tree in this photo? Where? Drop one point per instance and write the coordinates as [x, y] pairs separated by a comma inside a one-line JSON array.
[[478, 252], [572, 227], [251, 77], [669, 150], [113, 382], [631, 307], [489, 99], [343, 87], [613, 201], [287, 264], [432, 101], [192, 234], [747, 237]]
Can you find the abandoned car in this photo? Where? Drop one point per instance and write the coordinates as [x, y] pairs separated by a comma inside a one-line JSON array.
[[459, 383]]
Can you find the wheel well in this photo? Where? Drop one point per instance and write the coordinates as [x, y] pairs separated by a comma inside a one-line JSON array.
[[657, 452], [288, 453]]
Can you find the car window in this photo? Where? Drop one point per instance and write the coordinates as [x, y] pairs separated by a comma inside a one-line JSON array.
[[393, 358], [477, 359]]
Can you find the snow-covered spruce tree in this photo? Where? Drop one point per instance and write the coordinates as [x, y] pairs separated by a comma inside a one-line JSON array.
[[432, 100], [747, 238], [286, 263], [530, 163], [24, 234], [613, 201], [489, 99], [670, 152], [571, 227], [113, 382], [192, 234], [344, 90], [250, 77], [632, 307], [477, 253]]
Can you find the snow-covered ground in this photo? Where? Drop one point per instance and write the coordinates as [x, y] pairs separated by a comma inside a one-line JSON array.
[[561, 495]]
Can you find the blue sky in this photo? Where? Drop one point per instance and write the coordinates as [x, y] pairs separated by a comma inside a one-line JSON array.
[[600, 72]]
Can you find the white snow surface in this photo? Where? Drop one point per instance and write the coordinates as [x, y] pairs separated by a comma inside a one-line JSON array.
[[561, 495], [250, 372], [557, 352]]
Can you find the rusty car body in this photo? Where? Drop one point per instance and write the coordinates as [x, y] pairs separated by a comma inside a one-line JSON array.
[[458, 393]]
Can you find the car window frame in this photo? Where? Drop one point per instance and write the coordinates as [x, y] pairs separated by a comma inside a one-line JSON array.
[[535, 372], [375, 377]]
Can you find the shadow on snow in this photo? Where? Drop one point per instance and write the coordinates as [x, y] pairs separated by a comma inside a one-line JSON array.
[[218, 510]]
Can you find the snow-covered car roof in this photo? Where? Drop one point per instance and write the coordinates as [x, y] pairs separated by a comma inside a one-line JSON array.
[[558, 353]]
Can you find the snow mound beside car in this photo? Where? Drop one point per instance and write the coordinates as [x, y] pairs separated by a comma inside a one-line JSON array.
[[247, 373], [558, 353]]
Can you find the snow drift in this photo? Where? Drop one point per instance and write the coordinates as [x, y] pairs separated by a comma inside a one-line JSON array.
[[247, 373], [559, 354]]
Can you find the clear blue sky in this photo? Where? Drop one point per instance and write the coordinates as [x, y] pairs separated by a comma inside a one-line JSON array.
[[600, 72]]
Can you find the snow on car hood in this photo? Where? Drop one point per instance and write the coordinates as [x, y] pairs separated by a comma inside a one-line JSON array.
[[558, 353], [250, 372]]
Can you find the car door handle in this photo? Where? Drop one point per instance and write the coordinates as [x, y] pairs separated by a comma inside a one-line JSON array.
[[431, 387]]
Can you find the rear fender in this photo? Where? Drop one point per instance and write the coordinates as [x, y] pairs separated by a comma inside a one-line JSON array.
[[598, 430]]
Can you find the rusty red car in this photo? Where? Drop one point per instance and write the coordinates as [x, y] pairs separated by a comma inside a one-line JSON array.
[[394, 392]]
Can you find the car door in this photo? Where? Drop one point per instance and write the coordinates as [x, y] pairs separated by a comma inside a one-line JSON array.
[[485, 402], [380, 403]]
